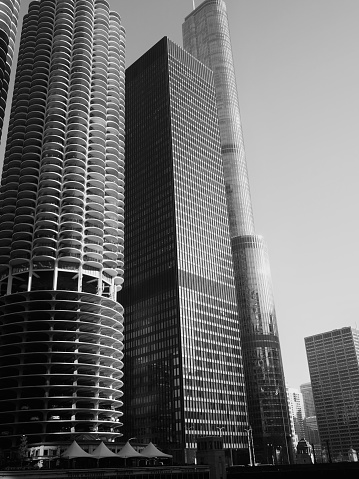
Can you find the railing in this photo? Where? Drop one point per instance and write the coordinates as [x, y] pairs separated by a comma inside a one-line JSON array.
[[74, 255], [43, 265], [87, 241], [48, 253], [69, 220], [65, 265], [88, 258], [70, 228], [90, 250], [46, 245]]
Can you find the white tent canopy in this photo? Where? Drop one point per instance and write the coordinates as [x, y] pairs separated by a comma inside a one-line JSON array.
[[74, 450], [151, 451], [103, 451], [129, 451]]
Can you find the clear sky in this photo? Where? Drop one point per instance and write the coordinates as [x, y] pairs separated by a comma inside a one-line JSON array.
[[298, 80]]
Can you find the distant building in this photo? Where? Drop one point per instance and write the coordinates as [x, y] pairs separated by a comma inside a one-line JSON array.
[[296, 413], [334, 372], [308, 400], [311, 432]]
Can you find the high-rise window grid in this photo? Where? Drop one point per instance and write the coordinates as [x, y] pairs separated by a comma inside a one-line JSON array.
[[334, 371], [183, 371]]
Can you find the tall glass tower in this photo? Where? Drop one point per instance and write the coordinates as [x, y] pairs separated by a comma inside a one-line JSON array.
[[61, 228], [183, 365], [9, 15], [206, 36]]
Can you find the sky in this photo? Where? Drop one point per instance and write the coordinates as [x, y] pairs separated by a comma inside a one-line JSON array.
[[297, 75]]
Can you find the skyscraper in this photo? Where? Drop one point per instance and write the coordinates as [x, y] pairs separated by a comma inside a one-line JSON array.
[[206, 36], [310, 420], [333, 359], [296, 413], [308, 400], [9, 15], [61, 228], [183, 367]]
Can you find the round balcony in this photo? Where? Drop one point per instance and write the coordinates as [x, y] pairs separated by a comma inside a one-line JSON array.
[[68, 230], [68, 208], [26, 229], [73, 194], [19, 257], [92, 262], [47, 222], [77, 128], [110, 256], [75, 149], [69, 254], [75, 165], [23, 202], [19, 244], [44, 255], [92, 255], [51, 186], [73, 201], [96, 168], [109, 264]]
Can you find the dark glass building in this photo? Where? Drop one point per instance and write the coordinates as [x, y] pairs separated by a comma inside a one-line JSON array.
[[61, 229], [9, 15], [206, 36], [333, 360], [183, 366]]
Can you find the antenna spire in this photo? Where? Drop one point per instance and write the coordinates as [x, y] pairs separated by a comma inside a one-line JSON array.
[[194, 6]]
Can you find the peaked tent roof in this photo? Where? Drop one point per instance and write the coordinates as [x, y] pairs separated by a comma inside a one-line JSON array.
[[151, 451], [103, 451], [74, 450], [129, 451]]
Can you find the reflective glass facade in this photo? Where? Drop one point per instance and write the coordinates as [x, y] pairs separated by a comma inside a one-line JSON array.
[[333, 360], [206, 36], [9, 14], [307, 392], [266, 391], [183, 366], [61, 228]]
